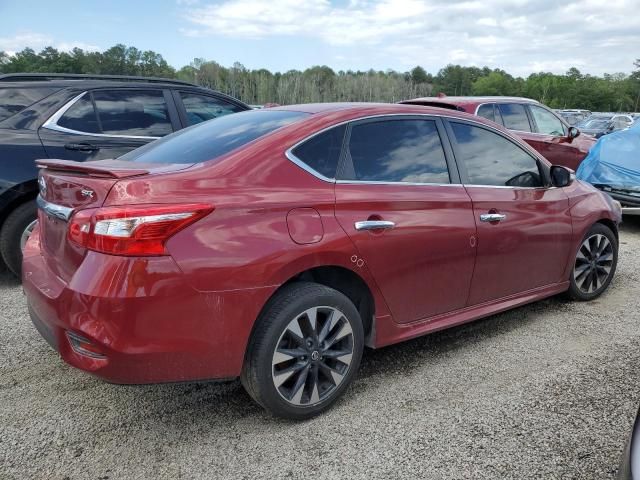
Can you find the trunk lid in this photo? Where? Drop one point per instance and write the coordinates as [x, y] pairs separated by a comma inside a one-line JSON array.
[[67, 187]]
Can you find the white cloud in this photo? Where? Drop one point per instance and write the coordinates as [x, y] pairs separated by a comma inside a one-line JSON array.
[[38, 41], [519, 36]]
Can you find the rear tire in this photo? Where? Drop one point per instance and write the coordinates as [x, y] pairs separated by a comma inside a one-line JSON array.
[[12, 232], [594, 264], [304, 352]]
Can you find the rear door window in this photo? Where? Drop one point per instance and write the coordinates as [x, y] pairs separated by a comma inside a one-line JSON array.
[[141, 113], [396, 151], [322, 152], [514, 116], [200, 108], [14, 100]]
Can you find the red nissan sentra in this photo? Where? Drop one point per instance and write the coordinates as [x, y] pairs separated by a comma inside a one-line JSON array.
[[275, 244]]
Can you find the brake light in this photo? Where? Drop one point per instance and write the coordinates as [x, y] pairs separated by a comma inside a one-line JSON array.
[[132, 230]]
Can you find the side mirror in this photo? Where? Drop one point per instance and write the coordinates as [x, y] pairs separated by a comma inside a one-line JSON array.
[[573, 133], [562, 176]]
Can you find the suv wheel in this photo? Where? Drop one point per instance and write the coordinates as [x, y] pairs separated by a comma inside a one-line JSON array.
[[595, 264], [304, 352], [15, 233]]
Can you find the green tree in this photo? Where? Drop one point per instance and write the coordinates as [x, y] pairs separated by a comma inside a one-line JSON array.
[[496, 83], [419, 75]]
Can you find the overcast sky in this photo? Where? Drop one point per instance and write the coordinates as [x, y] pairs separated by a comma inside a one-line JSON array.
[[518, 36]]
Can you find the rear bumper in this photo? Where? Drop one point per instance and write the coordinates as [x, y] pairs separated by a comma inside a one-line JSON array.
[[141, 316]]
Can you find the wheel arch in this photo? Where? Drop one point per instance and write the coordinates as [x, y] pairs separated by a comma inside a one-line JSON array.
[[16, 196], [346, 281], [611, 225]]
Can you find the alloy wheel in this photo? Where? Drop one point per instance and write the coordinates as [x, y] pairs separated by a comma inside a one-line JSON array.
[[312, 355], [27, 233], [594, 262]]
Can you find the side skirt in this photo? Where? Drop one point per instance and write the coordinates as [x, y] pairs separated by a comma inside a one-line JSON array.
[[388, 332]]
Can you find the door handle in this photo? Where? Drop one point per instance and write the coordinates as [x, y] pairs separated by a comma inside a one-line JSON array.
[[374, 225], [82, 147], [492, 217]]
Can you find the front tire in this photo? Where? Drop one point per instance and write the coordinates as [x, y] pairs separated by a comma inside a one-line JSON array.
[[594, 264], [14, 234], [304, 352]]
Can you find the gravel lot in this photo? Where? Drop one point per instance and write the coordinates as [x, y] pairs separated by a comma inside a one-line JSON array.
[[545, 391]]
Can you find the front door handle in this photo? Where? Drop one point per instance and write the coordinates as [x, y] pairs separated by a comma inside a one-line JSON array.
[[492, 217], [82, 147], [374, 225]]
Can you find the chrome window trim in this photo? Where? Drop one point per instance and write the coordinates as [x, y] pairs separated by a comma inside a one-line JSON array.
[[52, 124], [377, 182], [289, 154], [53, 210], [473, 185], [318, 175]]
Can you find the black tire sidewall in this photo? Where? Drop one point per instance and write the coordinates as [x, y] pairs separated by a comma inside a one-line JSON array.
[[288, 304], [574, 291], [11, 233]]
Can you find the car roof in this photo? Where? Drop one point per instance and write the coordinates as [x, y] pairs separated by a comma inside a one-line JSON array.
[[355, 110], [36, 77], [369, 108], [327, 115], [80, 85], [92, 83]]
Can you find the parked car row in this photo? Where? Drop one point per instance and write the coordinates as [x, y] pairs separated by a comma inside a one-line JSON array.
[[269, 231], [600, 124], [573, 115]]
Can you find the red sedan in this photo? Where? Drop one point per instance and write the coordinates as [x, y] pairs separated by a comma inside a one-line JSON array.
[[275, 244]]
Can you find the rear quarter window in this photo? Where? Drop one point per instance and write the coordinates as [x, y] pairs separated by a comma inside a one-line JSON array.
[[14, 100], [322, 152], [486, 111]]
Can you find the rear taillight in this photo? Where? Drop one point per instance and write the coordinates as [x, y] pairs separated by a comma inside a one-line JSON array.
[[132, 230]]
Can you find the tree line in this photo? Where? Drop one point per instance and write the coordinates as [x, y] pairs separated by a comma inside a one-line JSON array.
[[610, 92]]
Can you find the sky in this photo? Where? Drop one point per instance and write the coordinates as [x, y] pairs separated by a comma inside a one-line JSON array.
[[518, 36]]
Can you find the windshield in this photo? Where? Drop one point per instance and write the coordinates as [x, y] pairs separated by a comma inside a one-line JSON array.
[[212, 139], [594, 123], [14, 100]]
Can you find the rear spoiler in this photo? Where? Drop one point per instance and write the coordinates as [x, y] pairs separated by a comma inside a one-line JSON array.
[[101, 168]]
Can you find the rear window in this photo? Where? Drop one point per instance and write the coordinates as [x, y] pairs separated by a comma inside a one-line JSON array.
[[14, 100], [214, 138]]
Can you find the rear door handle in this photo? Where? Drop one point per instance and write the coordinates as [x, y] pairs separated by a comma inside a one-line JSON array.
[[374, 225], [82, 147], [492, 217]]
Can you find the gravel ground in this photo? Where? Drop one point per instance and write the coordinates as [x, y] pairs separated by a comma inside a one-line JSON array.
[[545, 391]]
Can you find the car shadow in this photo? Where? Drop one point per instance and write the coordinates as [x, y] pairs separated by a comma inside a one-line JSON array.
[[7, 279], [223, 402], [631, 223]]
